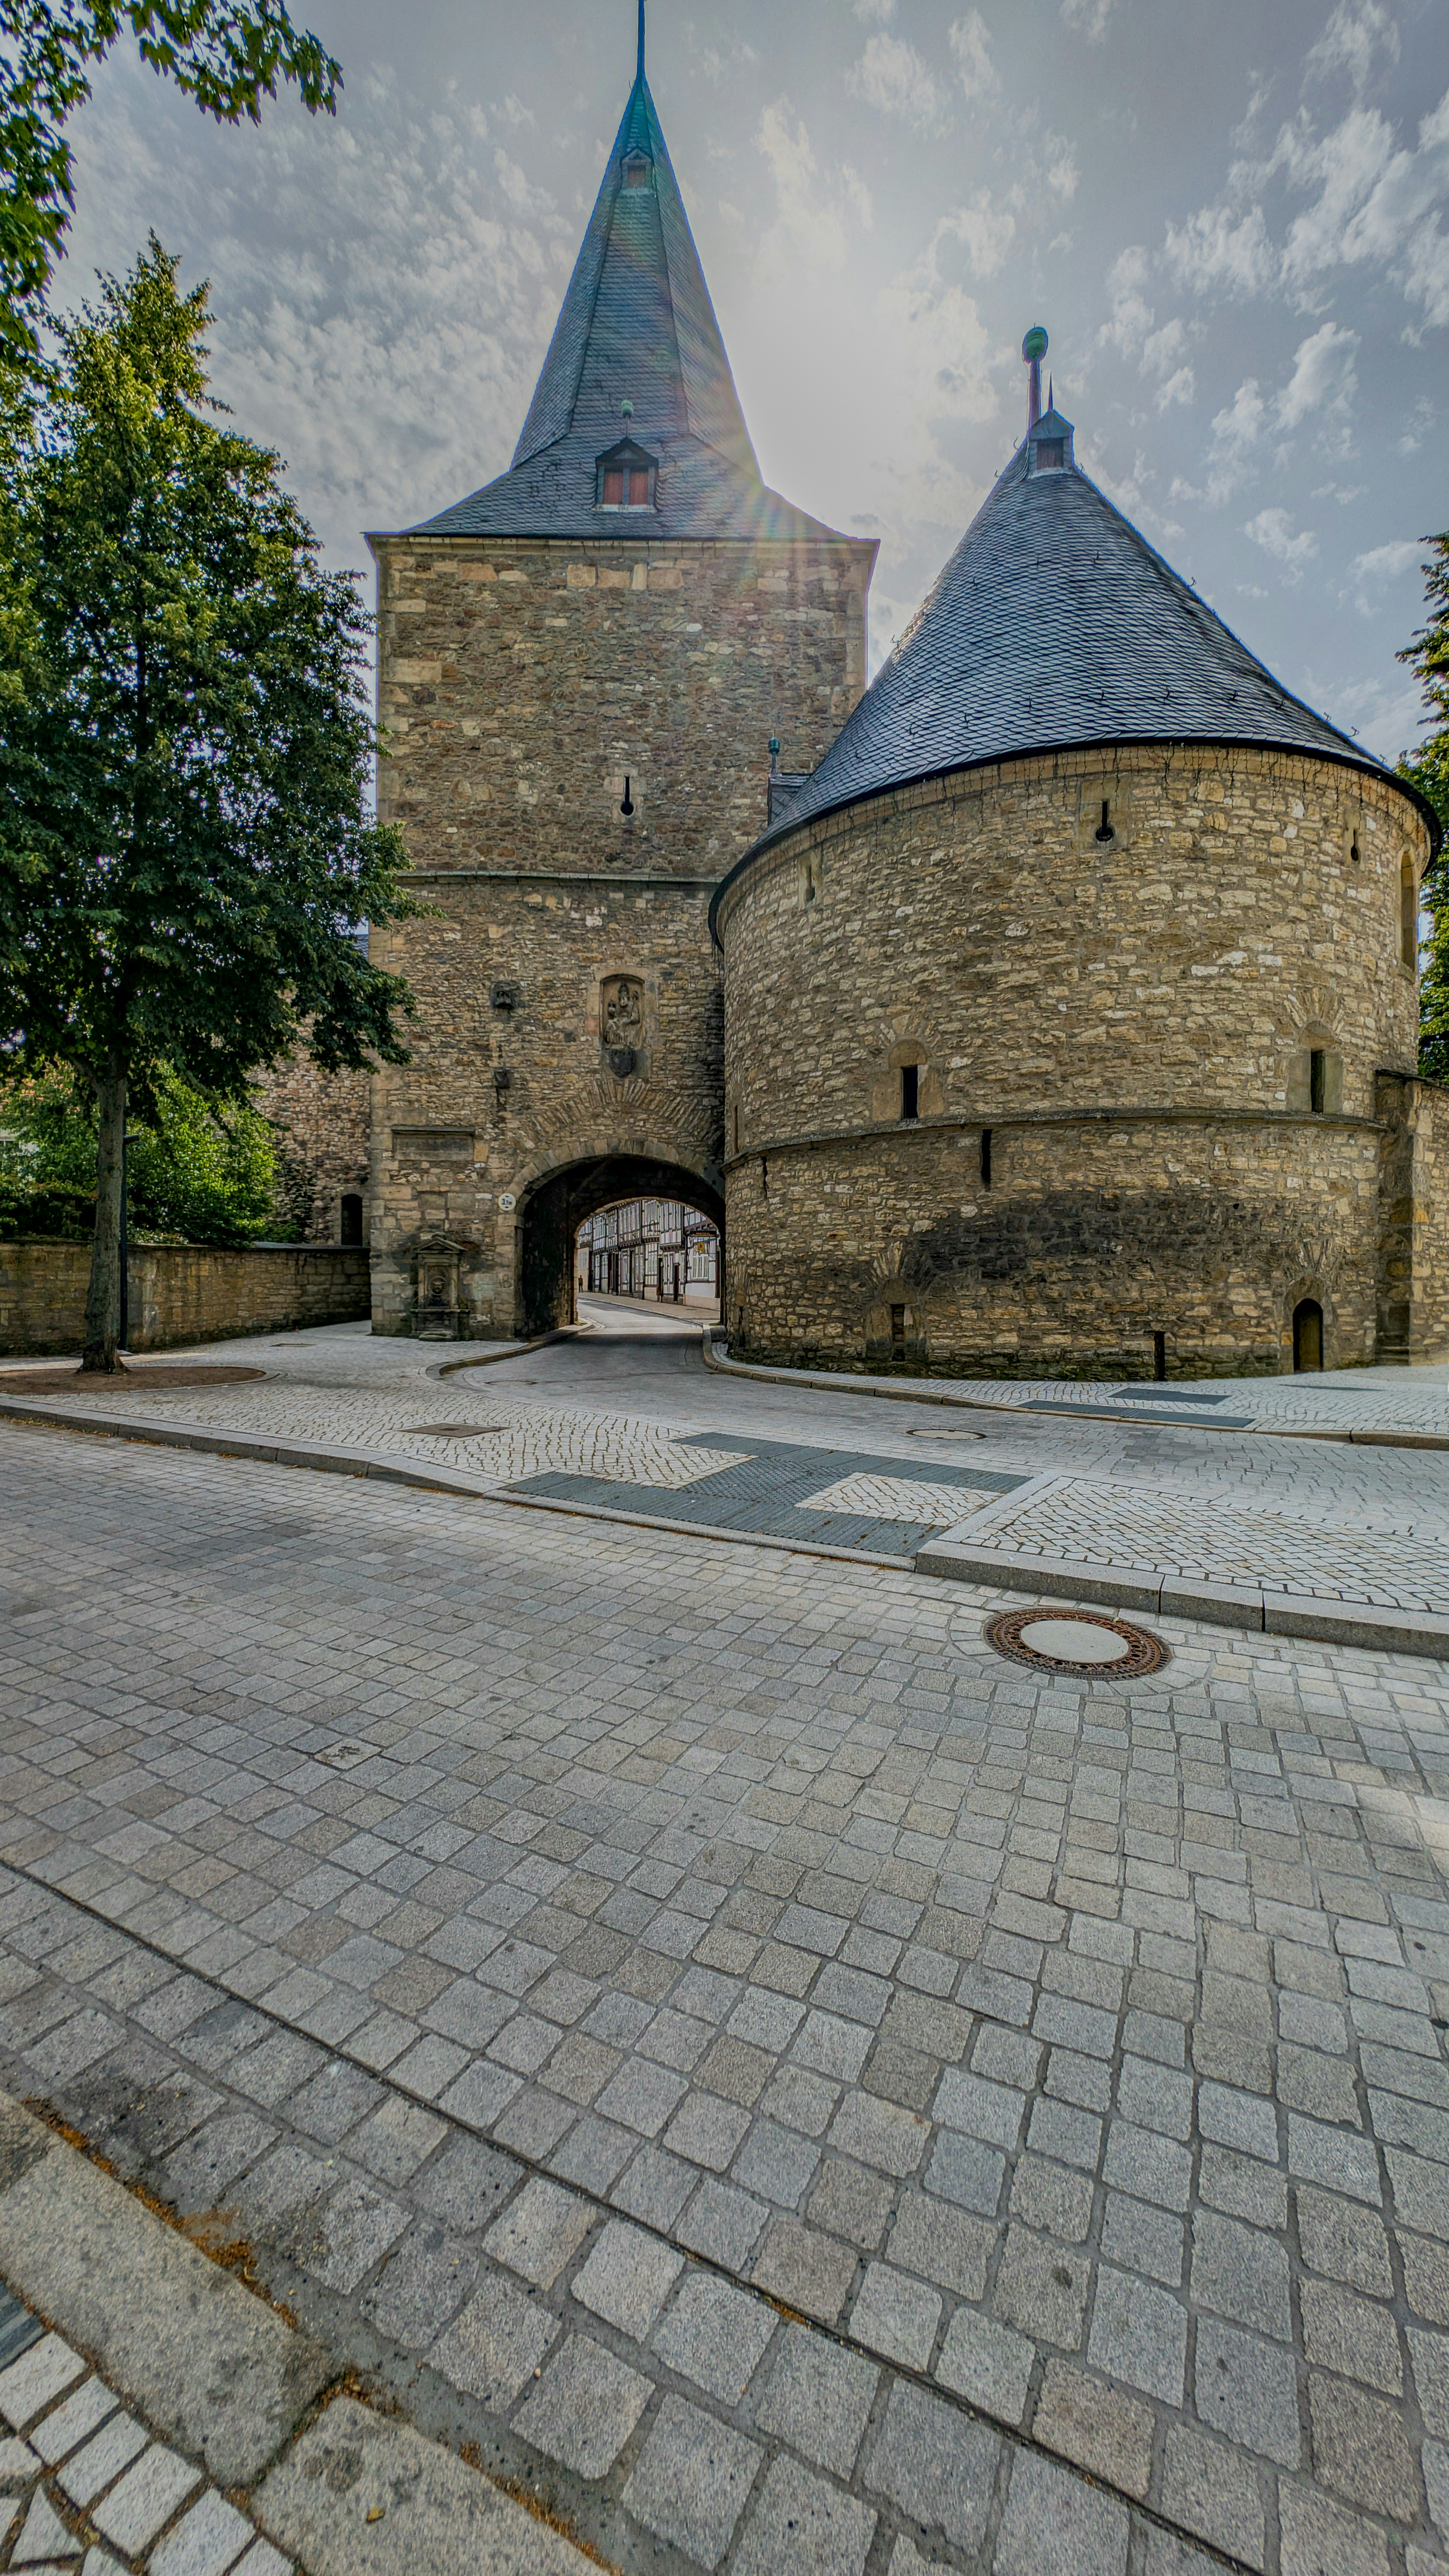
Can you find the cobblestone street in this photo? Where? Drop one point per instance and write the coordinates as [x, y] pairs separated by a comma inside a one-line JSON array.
[[794, 2090], [627, 1418]]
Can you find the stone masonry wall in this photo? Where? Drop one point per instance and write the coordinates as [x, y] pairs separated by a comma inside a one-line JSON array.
[[43, 1295], [522, 680], [179, 1293], [520, 683], [450, 1144], [1134, 1023], [323, 1121], [1090, 1239], [1414, 1220]]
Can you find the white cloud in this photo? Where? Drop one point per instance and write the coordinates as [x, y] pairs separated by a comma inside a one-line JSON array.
[[1417, 427], [1390, 714], [1351, 40], [1386, 563], [384, 285], [1088, 17], [875, 13], [1159, 351], [970, 42], [1132, 315], [986, 230], [1381, 569], [931, 374], [1059, 166], [1239, 424], [1215, 248], [1376, 205], [1324, 379], [1321, 387], [812, 223], [892, 76], [1273, 531]]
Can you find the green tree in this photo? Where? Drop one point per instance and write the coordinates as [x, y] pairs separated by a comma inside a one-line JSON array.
[[185, 751], [226, 54], [1427, 768], [193, 1174]]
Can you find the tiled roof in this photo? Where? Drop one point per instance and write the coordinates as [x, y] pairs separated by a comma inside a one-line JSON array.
[[1055, 623], [637, 326]]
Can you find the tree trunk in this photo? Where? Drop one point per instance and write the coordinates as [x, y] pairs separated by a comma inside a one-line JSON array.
[[103, 1298]]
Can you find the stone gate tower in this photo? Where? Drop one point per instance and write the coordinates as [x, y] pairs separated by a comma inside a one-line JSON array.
[[581, 669], [1072, 1003]]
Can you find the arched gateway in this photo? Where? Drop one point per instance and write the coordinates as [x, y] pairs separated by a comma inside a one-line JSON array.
[[552, 1212], [580, 669]]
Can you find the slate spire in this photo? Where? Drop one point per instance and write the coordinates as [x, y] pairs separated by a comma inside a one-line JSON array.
[[637, 328], [637, 323]]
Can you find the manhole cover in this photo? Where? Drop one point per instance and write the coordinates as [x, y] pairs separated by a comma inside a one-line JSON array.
[[1081, 1642], [455, 1430]]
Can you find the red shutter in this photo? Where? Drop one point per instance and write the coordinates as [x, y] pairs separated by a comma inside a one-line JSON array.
[[613, 487], [639, 487]]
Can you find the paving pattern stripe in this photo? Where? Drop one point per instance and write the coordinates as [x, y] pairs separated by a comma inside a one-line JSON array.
[[895, 1541], [607, 2211]]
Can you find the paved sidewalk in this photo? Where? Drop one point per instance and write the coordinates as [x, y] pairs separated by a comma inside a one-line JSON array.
[[1330, 1400], [711, 2035], [641, 1427]]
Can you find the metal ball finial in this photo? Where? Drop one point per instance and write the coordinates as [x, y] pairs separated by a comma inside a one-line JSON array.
[[1033, 349]]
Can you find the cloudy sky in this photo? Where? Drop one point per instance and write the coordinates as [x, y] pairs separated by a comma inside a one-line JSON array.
[[1233, 219]]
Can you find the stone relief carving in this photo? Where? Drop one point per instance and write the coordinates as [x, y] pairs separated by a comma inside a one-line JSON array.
[[621, 1022]]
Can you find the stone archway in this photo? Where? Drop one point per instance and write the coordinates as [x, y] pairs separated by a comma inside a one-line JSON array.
[[552, 1210]]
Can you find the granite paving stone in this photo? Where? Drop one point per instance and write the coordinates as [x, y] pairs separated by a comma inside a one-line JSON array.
[[1055, 2526], [802, 2521], [585, 2407], [1078, 2047], [691, 2480], [818, 2398]]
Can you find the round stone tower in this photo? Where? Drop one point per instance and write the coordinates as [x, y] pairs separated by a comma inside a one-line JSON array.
[[1071, 1001]]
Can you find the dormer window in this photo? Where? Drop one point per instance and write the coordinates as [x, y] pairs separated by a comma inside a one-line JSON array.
[[1049, 443], [638, 170], [626, 478]]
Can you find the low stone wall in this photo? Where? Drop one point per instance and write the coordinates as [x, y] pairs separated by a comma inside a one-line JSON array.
[[181, 1292]]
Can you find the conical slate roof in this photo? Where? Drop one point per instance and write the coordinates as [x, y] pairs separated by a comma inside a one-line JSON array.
[[1054, 624], [637, 327]]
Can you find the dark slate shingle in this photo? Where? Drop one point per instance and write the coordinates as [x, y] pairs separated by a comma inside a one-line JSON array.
[[637, 325], [1055, 623]]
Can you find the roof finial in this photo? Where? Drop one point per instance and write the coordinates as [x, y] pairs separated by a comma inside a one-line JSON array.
[[640, 74], [1033, 349]]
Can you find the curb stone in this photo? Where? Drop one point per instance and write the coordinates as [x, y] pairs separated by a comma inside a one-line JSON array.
[[928, 1391], [222, 2375], [1386, 1631]]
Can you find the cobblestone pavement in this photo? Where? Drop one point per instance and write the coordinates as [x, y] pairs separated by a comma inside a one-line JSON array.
[[84, 2486], [795, 2091], [630, 1420]]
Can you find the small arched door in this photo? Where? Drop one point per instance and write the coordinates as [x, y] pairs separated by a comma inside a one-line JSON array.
[[1308, 1334]]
